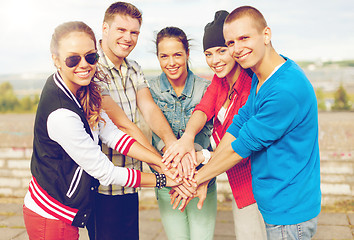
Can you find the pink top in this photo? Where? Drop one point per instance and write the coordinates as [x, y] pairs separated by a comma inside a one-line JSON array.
[[240, 178]]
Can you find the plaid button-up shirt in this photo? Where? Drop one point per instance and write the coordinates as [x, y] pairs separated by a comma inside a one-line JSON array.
[[122, 87]]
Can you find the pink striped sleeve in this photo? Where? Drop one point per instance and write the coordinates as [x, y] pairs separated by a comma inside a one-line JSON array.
[[124, 143]]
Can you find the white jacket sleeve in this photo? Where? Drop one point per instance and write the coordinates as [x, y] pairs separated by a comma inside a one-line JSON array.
[[66, 128]]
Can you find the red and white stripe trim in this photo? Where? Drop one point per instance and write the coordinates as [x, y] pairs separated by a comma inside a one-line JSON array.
[[124, 143], [216, 137], [134, 178], [232, 102], [51, 205]]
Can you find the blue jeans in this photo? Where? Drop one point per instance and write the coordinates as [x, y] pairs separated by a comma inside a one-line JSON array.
[[304, 230]]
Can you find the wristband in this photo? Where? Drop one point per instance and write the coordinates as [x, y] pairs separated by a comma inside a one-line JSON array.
[[163, 181], [160, 180], [206, 155]]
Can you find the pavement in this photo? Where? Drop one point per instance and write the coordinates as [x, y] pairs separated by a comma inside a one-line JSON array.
[[330, 225]]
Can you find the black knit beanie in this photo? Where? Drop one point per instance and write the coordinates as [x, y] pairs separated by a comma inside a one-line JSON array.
[[213, 31]]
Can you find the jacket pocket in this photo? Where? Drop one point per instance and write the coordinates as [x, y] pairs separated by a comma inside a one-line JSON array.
[[168, 109]]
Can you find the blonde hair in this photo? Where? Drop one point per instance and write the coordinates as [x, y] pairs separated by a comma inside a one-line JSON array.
[[90, 99]]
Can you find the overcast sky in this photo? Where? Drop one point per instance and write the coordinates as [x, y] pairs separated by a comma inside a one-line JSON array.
[[302, 29]]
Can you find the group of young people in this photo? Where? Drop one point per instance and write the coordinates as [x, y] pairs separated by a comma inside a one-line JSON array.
[[88, 150]]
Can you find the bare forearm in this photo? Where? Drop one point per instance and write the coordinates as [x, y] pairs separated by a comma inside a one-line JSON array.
[[195, 124], [143, 154], [159, 125], [119, 118], [139, 136], [222, 160], [154, 117], [117, 115], [147, 180], [185, 144]]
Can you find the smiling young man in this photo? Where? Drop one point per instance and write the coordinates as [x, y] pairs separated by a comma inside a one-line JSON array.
[[117, 207], [277, 128]]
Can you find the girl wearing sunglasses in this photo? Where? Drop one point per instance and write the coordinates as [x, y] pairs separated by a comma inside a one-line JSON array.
[[67, 163]]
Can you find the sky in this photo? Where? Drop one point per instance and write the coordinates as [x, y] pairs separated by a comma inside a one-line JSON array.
[[301, 29]]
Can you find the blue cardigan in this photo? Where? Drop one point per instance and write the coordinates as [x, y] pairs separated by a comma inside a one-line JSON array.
[[278, 128]]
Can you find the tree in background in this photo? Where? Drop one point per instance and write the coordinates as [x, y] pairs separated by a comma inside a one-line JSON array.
[[8, 99], [321, 99], [10, 103], [341, 101]]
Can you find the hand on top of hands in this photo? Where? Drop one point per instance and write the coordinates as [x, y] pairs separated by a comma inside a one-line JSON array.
[[176, 151], [186, 170], [178, 199]]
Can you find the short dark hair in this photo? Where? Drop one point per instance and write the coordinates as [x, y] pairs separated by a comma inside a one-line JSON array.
[[122, 8], [248, 11]]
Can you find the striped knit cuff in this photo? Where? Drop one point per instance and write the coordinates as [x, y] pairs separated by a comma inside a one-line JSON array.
[[134, 178], [124, 143]]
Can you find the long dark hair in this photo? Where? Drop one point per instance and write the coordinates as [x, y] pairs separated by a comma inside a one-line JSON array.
[[172, 32], [89, 96]]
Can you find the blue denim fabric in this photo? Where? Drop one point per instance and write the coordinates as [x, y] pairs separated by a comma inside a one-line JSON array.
[[301, 231], [178, 110]]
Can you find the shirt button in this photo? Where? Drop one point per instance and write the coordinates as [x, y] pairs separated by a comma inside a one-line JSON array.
[[82, 223], [85, 215], [92, 188]]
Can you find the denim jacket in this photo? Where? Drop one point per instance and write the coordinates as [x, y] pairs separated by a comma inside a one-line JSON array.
[[178, 110]]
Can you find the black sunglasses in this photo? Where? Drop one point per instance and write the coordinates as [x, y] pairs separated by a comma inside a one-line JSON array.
[[72, 61]]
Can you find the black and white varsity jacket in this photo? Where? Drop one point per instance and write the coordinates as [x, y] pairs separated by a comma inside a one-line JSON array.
[[59, 185]]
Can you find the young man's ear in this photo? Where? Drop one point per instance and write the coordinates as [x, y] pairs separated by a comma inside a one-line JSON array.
[[267, 35], [105, 28]]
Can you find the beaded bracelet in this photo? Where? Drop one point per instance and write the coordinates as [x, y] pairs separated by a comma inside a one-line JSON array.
[[157, 179], [160, 180]]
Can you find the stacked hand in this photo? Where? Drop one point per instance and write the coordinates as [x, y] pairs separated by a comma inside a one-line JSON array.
[[182, 161], [199, 191]]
